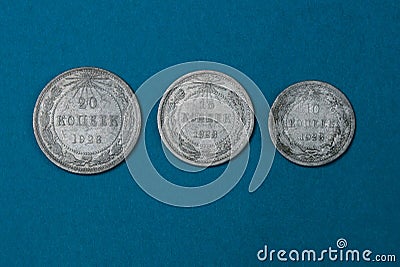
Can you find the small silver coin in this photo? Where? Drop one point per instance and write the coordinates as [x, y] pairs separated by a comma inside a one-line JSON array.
[[86, 120], [311, 123], [205, 118]]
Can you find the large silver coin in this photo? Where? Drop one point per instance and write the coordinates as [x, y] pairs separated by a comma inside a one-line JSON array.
[[311, 123], [205, 118], [86, 120]]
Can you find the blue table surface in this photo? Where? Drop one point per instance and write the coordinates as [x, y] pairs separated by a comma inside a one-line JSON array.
[[51, 217]]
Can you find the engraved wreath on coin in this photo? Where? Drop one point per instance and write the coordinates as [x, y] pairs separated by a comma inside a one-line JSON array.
[[205, 118], [311, 123], [86, 120]]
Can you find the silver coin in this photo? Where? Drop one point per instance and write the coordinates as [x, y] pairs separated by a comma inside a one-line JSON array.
[[311, 123], [86, 120], [205, 118]]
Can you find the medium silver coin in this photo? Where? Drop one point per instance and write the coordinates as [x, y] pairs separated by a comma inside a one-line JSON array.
[[311, 123], [86, 120], [205, 118]]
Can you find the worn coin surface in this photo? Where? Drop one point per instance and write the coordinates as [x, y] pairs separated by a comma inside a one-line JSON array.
[[205, 118], [86, 120], [311, 123]]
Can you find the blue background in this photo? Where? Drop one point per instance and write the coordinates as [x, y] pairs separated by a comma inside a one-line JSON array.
[[49, 216]]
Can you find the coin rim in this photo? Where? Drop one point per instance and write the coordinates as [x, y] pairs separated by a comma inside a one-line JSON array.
[[172, 87], [272, 128], [95, 169]]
